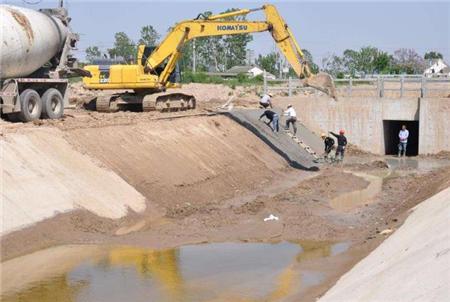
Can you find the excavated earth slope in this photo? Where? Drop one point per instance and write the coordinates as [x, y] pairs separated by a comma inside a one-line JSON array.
[[109, 170]]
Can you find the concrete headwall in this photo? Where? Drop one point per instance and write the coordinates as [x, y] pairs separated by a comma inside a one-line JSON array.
[[405, 109], [434, 127], [362, 118]]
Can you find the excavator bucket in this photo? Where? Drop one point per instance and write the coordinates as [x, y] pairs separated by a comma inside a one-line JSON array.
[[323, 82]]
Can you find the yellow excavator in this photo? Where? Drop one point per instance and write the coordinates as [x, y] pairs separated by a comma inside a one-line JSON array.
[[154, 71]]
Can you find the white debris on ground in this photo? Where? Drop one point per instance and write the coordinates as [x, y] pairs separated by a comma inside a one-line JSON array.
[[271, 217]]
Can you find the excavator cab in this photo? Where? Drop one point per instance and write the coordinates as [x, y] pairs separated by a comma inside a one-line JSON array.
[[144, 52]]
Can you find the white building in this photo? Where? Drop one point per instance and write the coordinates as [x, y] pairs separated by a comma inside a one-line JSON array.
[[437, 68], [251, 71]]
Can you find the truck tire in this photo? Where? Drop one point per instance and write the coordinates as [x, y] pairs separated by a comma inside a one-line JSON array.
[[52, 104], [30, 106]]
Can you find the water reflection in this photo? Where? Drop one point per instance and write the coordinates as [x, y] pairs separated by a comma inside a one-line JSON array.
[[210, 272]]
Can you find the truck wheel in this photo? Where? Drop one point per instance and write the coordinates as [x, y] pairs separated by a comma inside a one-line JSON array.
[[52, 104], [30, 106]]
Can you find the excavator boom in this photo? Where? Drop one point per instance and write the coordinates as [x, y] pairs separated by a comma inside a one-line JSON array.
[[217, 25]]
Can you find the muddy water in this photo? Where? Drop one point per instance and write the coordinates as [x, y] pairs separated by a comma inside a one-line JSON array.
[[357, 198], [209, 272], [420, 164]]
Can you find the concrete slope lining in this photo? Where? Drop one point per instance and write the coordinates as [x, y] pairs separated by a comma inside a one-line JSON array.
[[281, 143], [43, 175], [411, 265]]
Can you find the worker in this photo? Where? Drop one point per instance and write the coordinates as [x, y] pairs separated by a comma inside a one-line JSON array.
[[266, 101], [342, 143], [291, 118], [273, 119], [329, 143], [403, 137]]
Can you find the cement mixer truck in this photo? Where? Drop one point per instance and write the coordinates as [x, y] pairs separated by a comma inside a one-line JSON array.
[[35, 62]]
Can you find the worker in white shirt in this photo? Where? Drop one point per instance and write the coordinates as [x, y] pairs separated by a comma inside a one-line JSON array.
[[266, 101], [403, 137], [291, 118]]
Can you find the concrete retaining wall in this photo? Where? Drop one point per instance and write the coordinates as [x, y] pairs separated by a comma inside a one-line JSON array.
[[42, 175], [406, 109], [362, 118], [434, 131]]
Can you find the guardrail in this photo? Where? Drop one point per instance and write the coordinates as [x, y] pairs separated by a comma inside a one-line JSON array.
[[379, 86], [422, 85]]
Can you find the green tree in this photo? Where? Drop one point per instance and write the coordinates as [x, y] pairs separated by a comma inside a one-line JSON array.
[[209, 53], [382, 62], [333, 65], [235, 46], [123, 47], [149, 36], [269, 62], [367, 60], [432, 55], [350, 61], [408, 61], [309, 58], [218, 52], [92, 52]]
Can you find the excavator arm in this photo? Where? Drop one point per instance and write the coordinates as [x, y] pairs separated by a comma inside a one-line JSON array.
[[170, 49]]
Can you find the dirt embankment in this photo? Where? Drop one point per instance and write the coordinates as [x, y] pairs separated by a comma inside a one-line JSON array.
[[191, 161]]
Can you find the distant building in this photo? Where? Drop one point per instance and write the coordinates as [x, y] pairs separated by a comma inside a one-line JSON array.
[[437, 68], [250, 70]]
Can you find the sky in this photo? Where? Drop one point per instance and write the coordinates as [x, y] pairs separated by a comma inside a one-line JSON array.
[[323, 28]]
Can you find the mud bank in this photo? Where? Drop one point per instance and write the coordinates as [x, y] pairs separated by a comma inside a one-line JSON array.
[[189, 160], [89, 178]]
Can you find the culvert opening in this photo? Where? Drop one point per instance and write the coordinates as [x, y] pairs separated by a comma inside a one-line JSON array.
[[391, 129]]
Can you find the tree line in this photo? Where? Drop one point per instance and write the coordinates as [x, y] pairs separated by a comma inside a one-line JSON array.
[[124, 46], [371, 60], [219, 53]]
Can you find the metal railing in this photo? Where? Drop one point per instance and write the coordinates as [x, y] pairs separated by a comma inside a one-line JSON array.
[[401, 85], [378, 86]]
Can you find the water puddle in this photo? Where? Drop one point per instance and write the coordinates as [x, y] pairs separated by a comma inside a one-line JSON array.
[[350, 200], [209, 272], [420, 164]]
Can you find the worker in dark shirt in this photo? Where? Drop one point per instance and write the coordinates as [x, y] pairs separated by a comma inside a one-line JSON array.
[[342, 143], [273, 119], [329, 143]]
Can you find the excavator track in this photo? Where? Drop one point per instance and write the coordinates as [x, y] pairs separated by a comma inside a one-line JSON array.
[[106, 104], [168, 102]]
